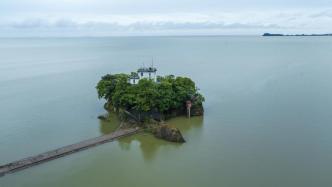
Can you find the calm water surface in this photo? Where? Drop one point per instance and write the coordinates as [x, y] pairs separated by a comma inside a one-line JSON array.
[[268, 118]]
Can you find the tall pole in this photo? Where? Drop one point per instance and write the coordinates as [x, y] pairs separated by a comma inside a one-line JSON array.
[[188, 108], [188, 112]]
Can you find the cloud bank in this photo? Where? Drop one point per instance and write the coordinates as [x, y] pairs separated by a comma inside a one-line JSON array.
[[234, 22]]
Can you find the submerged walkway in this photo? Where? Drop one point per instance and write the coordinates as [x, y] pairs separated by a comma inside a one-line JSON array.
[[60, 152]]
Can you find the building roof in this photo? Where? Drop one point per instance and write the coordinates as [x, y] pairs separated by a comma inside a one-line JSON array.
[[149, 69], [134, 75]]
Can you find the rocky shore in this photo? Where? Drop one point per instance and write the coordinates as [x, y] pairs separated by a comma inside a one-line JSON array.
[[148, 101], [154, 122]]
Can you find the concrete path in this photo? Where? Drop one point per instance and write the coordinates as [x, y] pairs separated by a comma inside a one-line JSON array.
[[60, 152]]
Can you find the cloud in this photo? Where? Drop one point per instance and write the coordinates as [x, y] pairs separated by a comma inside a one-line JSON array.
[[325, 13], [196, 26], [144, 25], [42, 23], [95, 28], [244, 22]]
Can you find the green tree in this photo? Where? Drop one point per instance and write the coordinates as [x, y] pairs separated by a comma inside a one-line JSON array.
[[106, 86], [166, 96], [146, 94], [168, 93]]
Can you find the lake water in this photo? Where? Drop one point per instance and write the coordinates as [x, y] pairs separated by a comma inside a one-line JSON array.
[[267, 122]]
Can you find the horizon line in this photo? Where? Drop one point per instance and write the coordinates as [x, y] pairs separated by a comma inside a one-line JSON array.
[[115, 36]]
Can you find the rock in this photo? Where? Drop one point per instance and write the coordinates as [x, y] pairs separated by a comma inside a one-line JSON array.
[[169, 133], [102, 117], [197, 110], [108, 106]]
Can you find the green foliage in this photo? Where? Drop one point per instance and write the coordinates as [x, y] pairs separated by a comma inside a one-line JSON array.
[[106, 86], [166, 94], [146, 95]]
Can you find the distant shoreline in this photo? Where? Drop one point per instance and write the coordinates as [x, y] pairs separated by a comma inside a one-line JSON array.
[[269, 34]]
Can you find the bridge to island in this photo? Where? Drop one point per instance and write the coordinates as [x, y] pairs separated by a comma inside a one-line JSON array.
[[63, 151]]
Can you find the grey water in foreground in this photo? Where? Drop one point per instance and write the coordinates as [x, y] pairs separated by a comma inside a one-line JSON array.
[[268, 111]]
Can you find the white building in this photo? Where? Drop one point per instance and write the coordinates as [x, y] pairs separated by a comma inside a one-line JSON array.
[[133, 78], [148, 73]]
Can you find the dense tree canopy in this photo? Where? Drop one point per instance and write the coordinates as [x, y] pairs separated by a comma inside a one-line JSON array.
[[166, 94]]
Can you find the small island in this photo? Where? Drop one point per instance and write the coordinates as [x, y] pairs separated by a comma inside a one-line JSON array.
[[270, 34], [143, 99]]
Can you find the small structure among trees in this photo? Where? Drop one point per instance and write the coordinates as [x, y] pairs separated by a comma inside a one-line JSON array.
[[142, 96], [134, 78], [146, 97], [148, 73]]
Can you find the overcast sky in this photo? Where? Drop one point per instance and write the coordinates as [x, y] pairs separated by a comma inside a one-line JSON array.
[[162, 17]]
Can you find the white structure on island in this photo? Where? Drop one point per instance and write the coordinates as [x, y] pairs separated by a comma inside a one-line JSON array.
[[148, 73]]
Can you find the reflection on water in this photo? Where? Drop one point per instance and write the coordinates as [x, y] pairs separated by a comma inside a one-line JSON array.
[[150, 145], [267, 121], [183, 123], [186, 124], [109, 126]]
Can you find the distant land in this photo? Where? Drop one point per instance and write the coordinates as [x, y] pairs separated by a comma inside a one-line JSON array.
[[270, 34]]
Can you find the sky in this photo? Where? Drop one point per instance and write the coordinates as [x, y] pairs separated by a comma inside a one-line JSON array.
[[62, 18]]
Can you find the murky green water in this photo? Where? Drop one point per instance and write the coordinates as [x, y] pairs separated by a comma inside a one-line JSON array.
[[267, 122]]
